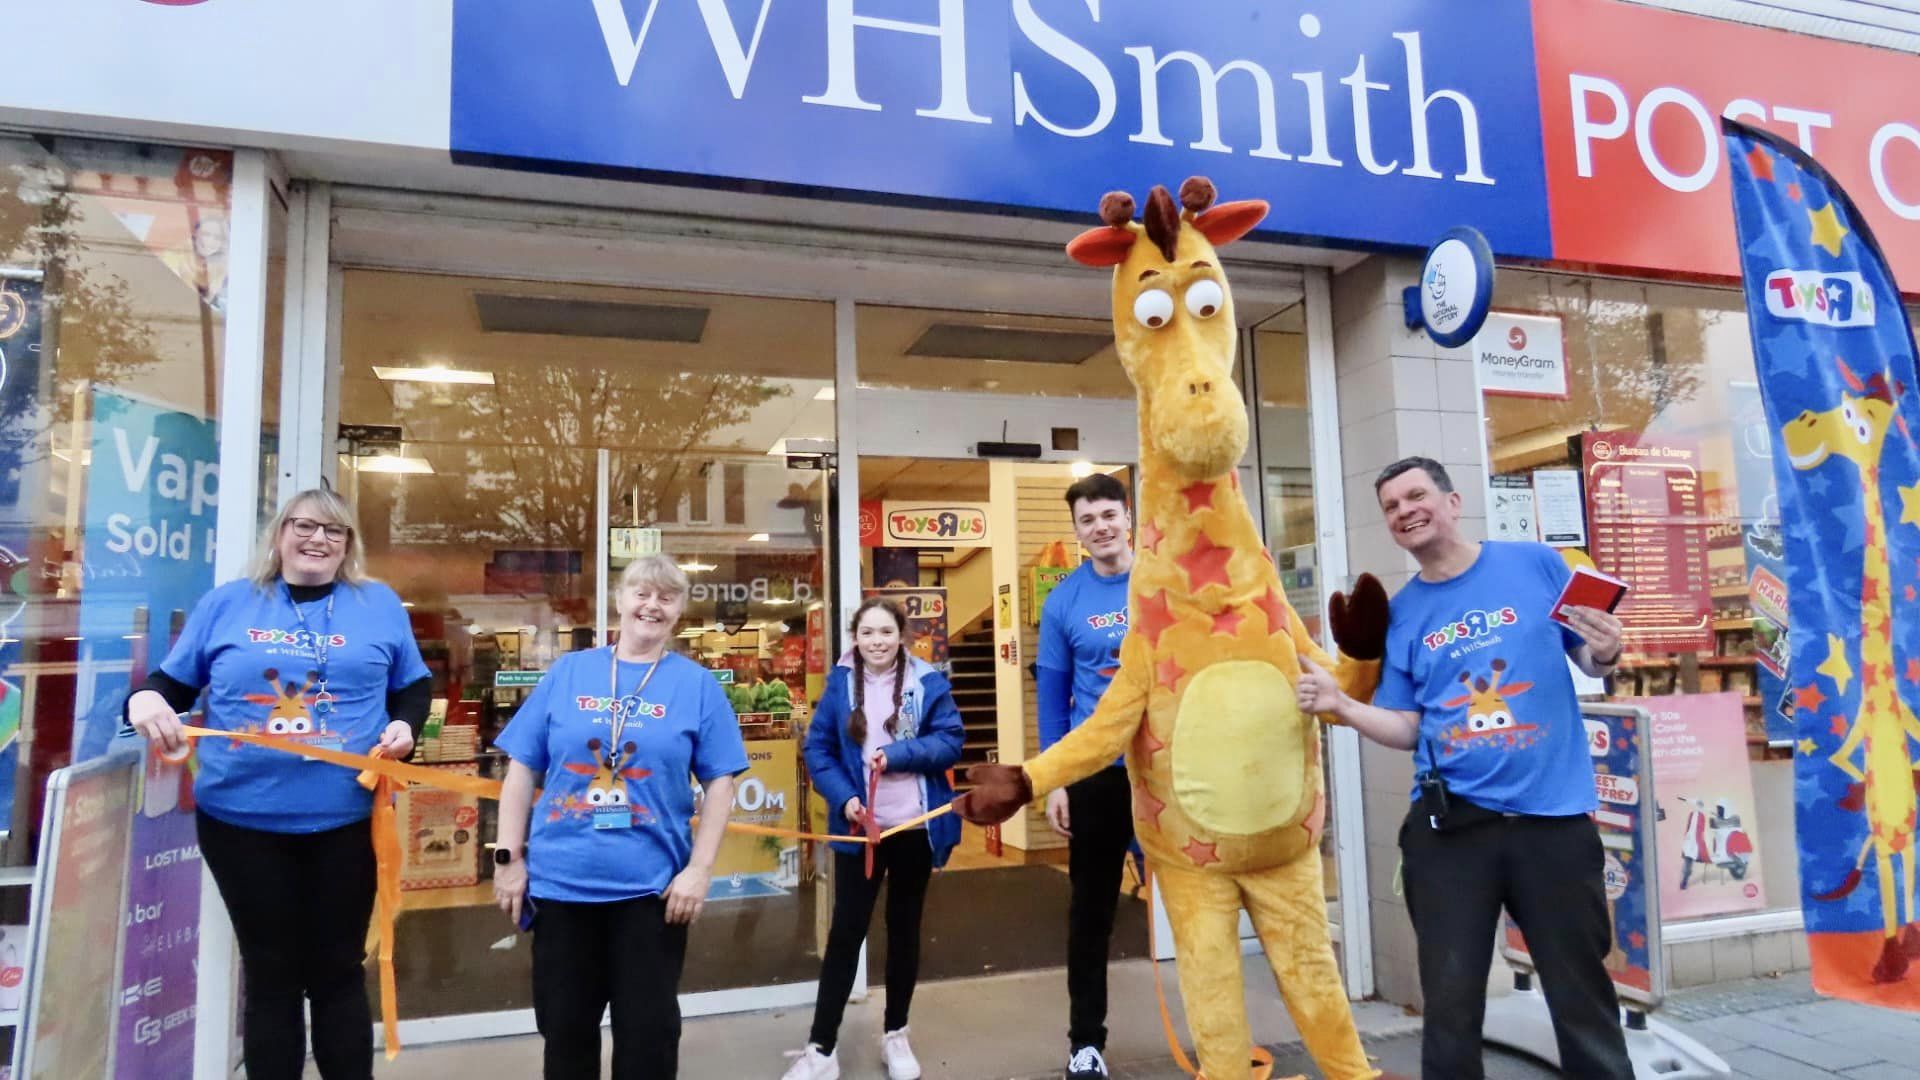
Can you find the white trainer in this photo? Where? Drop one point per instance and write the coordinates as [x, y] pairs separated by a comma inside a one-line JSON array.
[[898, 1054], [811, 1064]]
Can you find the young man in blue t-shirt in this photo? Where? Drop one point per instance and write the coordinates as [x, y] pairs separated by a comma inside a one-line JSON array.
[[1475, 683], [1081, 627]]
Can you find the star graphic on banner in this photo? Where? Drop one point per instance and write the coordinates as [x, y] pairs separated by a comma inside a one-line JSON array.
[[1199, 496], [1852, 527], [1206, 564], [1837, 725], [1793, 192], [1835, 666], [1818, 484], [1800, 529], [1910, 505], [1637, 939], [1761, 163], [1913, 666], [1912, 595], [1827, 230], [1808, 697], [1806, 748], [1150, 536]]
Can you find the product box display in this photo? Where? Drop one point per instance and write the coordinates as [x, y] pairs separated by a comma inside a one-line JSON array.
[[439, 836]]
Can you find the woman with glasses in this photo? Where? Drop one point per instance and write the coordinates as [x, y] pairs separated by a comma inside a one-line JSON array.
[[307, 650]]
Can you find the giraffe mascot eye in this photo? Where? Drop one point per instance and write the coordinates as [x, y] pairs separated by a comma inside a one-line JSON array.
[[617, 796], [1153, 309], [1205, 298]]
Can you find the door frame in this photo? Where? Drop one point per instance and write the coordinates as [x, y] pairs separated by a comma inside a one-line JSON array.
[[334, 229]]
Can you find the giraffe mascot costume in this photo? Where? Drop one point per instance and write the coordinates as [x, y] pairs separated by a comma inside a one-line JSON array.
[[1225, 770]]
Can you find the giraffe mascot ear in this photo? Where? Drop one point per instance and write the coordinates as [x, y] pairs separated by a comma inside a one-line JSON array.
[[1109, 244], [1222, 224]]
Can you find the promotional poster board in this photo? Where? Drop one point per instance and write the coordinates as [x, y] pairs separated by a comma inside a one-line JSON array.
[[1646, 510], [1706, 828], [926, 621], [1623, 780], [73, 988], [768, 795]]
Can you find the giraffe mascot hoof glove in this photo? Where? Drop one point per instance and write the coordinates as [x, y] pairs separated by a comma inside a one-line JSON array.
[[1226, 771]]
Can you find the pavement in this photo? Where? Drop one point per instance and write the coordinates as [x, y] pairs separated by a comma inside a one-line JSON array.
[[1011, 1028]]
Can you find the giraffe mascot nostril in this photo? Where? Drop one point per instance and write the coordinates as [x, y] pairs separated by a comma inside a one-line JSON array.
[[1225, 769]]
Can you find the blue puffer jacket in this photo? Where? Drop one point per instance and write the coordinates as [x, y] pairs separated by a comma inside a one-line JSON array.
[[929, 744]]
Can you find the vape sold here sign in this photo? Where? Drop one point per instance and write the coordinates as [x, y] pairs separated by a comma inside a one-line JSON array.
[[1522, 356]]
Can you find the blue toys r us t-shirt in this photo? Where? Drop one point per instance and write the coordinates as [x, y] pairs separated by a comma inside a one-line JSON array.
[[681, 729], [1478, 658]]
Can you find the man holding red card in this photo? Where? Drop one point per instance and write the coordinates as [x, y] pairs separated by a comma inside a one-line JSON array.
[[1476, 683]]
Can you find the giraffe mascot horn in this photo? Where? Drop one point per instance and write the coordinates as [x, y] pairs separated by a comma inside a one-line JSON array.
[[1225, 769]]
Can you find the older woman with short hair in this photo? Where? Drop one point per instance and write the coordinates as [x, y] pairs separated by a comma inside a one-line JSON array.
[[614, 873], [308, 650]]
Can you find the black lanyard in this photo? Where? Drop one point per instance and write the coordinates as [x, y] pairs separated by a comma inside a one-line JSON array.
[[323, 701], [624, 707]]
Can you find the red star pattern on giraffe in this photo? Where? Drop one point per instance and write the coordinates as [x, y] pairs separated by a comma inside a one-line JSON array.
[[1146, 744], [1168, 673], [1808, 697], [1870, 589], [1228, 622], [1150, 537], [1146, 807], [1156, 616], [1276, 609], [1200, 853], [1837, 725], [1199, 496], [1761, 163], [1205, 564]]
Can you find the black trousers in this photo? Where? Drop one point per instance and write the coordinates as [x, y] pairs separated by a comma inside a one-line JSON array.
[[904, 863], [300, 903], [1547, 873], [1100, 815], [622, 955]]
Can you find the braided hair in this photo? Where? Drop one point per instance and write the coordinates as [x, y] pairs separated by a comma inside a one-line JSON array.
[[857, 719]]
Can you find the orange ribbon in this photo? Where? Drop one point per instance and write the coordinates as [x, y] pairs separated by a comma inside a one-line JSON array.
[[385, 777], [1262, 1063]]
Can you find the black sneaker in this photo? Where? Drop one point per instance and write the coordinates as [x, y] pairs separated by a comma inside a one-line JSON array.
[[1087, 1064]]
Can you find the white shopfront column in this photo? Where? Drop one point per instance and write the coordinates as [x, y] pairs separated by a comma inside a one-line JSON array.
[[241, 386], [1399, 395]]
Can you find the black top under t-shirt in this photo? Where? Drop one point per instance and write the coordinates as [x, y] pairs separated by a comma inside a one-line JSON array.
[[409, 703]]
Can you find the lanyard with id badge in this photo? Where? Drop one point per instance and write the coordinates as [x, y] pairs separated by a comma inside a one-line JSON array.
[[323, 734], [619, 815]]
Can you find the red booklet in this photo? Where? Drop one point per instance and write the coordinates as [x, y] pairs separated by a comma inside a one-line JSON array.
[[1588, 588]]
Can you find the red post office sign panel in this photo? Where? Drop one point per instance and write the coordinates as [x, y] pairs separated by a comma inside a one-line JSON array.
[[1630, 100]]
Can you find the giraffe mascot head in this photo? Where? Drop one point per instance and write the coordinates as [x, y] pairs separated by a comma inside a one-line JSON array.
[[1225, 767]]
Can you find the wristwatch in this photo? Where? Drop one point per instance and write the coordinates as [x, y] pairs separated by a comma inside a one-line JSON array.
[[502, 855]]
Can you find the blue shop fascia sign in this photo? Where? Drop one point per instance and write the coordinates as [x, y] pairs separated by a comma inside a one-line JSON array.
[[1365, 123]]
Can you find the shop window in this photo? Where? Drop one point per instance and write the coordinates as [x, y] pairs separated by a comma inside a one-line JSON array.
[[1625, 428], [497, 434], [113, 272], [734, 493]]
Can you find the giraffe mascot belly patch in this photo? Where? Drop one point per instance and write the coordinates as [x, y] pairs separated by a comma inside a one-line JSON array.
[[1226, 771]]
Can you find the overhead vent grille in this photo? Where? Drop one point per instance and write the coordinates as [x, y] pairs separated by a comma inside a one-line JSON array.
[[958, 341], [502, 313]]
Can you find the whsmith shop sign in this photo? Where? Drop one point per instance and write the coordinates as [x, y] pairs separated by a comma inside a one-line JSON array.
[[1372, 123], [1577, 130]]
